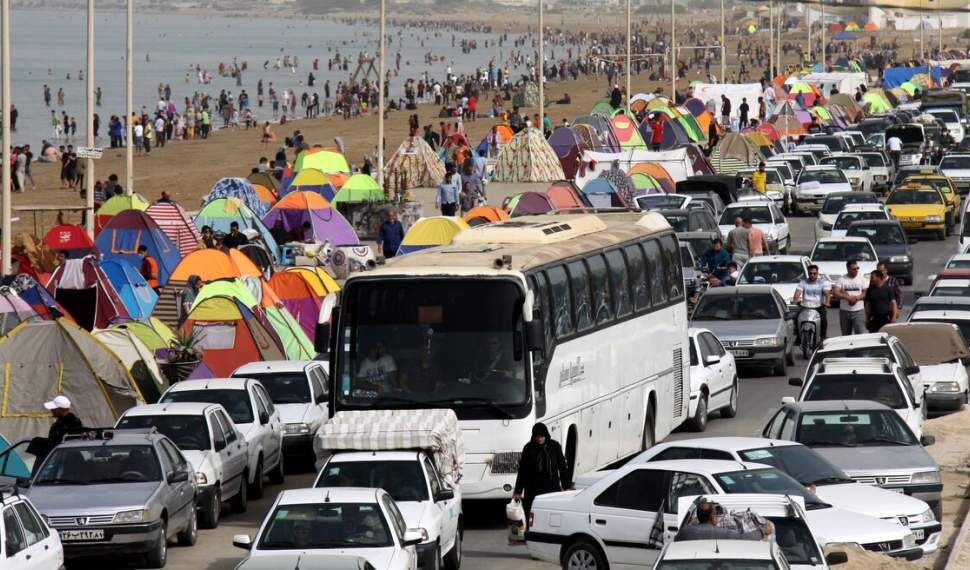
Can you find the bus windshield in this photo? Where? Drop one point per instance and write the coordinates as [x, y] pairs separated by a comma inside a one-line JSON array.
[[433, 343]]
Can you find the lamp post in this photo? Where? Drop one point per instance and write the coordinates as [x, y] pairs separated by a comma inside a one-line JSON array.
[[541, 66], [629, 50], [824, 55], [5, 95], [381, 66], [129, 101], [723, 47], [89, 131], [673, 51]]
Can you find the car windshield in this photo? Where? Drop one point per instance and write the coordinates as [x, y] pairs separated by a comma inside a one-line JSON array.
[[946, 115], [799, 462], [852, 428], [796, 541], [914, 196], [758, 215], [834, 204], [749, 307], [679, 222], [699, 245], [882, 388], [189, 433], [236, 402], [766, 481], [843, 251], [717, 564], [950, 291], [941, 184], [874, 159], [823, 176], [843, 162], [99, 464], [834, 143], [284, 387], [879, 234], [325, 526], [955, 162], [755, 273], [656, 201], [958, 263], [403, 480], [846, 218], [876, 351]]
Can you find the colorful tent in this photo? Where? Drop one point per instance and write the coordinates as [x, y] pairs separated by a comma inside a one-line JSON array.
[[214, 264], [318, 278], [646, 184], [564, 195], [852, 27], [138, 359], [238, 188], [37, 296], [626, 132], [601, 193], [788, 126], [359, 188], [568, 146], [127, 231], [309, 180], [431, 232], [177, 225], [734, 152], [321, 159], [265, 194], [44, 358], [871, 27], [265, 179], [848, 104], [658, 172], [326, 223], [152, 333], [875, 103], [527, 158], [83, 289], [115, 204], [70, 238], [599, 128], [138, 297], [484, 215], [13, 310], [218, 214], [299, 299], [525, 203], [414, 165]]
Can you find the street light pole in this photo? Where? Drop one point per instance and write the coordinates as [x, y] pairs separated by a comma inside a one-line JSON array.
[[629, 50], [129, 101], [922, 52], [723, 47], [824, 55], [541, 67], [771, 36], [5, 258], [380, 101], [808, 22], [673, 51], [89, 131]]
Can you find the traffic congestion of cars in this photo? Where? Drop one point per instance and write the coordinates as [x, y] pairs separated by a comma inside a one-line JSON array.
[[843, 461]]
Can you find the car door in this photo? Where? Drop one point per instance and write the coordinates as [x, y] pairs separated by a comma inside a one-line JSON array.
[[789, 323], [915, 411], [448, 510], [319, 388], [720, 380], [262, 434], [273, 446], [235, 442], [43, 546], [222, 463], [182, 493], [16, 552], [681, 484], [624, 514], [773, 429]]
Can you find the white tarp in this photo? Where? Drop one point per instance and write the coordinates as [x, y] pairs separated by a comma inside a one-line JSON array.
[[675, 161], [735, 92], [843, 81], [435, 431]]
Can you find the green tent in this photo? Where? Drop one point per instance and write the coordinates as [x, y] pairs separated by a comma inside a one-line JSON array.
[[694, 131], [359, 188], [325, 160], [603, 109], [874, 103], [153, 334], [643, 181]]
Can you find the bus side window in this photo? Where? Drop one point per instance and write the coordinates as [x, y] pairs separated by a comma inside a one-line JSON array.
[[540, 291], [602, 308], [620, 282], [559, 290], [579, 284], [675, 276], [638, 277], [656, 272]]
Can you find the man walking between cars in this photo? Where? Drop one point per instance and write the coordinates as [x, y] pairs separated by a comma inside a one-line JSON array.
[[895, 147], [880, 302], [542, 468], [737, 242], [851, 289], [757, 244]]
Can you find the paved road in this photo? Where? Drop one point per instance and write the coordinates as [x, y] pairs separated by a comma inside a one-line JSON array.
[[485, 539]]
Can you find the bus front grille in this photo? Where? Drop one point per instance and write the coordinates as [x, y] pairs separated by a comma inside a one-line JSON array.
[[506, 462]]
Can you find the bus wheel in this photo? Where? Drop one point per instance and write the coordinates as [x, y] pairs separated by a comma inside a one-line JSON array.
[[649, 430]]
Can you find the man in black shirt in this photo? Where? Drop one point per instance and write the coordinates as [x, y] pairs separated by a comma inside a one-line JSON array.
[[881, 307], [234, 238], [65, 422]]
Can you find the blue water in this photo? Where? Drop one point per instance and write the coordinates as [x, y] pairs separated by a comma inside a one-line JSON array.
[[43, 40]]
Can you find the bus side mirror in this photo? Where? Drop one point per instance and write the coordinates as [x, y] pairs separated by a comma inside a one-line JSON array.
[[321, 337], [535, 335]]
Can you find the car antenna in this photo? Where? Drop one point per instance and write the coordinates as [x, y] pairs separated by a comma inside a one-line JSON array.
[[298, 560]]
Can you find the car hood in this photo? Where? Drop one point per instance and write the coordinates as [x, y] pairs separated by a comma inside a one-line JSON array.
[[740, 330], [945, 372], [198, 459], [887, 250], [64, 500], [840, 525], [292, 413], [836, 269], [916, 210], [870, 500], [379, 558], [882, 457], [813, 188], [563, 500], [957, 172], [417, 514]]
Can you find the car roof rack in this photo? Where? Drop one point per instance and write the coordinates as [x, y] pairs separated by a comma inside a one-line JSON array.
[[106, 433]]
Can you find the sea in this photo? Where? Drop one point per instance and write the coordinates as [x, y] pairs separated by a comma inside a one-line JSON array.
[[48, 47]]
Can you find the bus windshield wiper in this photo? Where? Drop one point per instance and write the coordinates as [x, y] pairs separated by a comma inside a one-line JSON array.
[[475, 402]]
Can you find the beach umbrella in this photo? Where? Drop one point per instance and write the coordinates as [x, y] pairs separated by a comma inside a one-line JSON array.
[[359, 188]]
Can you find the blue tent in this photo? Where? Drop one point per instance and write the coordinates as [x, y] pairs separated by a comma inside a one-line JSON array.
[[11, 465], [134, 291], [129, 229], [896, 76], [220, 214], [845, 36], [601, 193], [237, 188]]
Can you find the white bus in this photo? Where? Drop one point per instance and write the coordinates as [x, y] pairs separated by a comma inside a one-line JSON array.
[[577, 321]]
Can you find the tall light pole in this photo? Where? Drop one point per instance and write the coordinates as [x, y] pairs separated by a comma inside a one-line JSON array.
[[673, 51], [808, 23], [824, 55], [939, 19], [541, 67], [723, 47], [5, 178], [89, 131], [380, 100], [629, 50], [129, 100], [771, 36], [922, 52]]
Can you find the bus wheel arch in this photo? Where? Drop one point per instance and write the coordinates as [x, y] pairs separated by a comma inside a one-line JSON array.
[[571, 449], [648, 439]]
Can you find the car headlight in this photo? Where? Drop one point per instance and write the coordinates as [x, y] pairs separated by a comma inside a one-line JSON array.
[[944, 387], [933, 218], [767, 341], [131, 516], [899, 259], [927, 516], [926, 477], [201, 479], [296, 429]]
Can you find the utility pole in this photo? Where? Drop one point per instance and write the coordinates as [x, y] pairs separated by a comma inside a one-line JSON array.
[[129, 101], [673, 52], [824, 55], [89, 131], [723, 47], [541, 67], [7, 206], [629, 50], [771, 36], [808, 22], [922, 52], [380, 100]]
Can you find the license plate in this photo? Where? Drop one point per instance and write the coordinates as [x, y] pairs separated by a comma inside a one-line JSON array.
[[919, 533], [740, 353], [78, 535]]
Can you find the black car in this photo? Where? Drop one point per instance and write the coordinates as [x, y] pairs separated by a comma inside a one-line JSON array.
[[879, 124], [891, 243]]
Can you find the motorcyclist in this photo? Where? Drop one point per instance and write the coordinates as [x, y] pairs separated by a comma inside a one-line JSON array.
[[715, 260], [815, 291]]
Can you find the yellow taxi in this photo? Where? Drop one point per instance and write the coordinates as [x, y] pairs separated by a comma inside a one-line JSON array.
[[920, 208], [945, 186]]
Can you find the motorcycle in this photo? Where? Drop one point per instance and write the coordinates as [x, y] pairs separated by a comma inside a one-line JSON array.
[[809, 327]]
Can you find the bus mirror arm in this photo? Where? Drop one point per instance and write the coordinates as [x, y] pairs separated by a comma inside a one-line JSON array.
[[535, 335]]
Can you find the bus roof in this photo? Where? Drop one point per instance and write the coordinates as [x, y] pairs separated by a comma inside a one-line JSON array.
[[530, 241]]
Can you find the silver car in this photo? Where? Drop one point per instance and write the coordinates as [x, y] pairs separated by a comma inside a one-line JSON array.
[[117, 492], [753, 323]]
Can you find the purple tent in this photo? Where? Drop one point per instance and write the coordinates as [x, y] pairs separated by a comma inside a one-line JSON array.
[[326, 223]]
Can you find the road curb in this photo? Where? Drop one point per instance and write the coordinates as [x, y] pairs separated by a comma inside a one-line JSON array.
[[960, 546]]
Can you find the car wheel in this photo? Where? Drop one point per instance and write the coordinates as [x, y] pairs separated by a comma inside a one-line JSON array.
[[453, 558], [190, 533], [277, 475], [158, 556], [212, 511], [699, 421], [256, 487], [732, 409], [779, 367], [941, 235], [790, 356], [584, 555], [240, 502]]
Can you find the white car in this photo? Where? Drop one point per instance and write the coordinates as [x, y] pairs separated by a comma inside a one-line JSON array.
[[952, 122], [815, 183], [855, 168], [350, 521], [612, 519], [857, 213], [942, 354], [833, 204], [876, 379], [782, 272], [831, 255], [947, 287], [210, 442], [764, 215], [869, 345], [419, 491], [714, 384], [808, 467], [722, 553], [26, 541], [958, 261], [956, 166], [775, 187], [254, 414], [299, 390], [880, 166], [819, 151]]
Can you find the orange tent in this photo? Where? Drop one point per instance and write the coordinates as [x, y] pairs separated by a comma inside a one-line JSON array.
[[565, 196], [318, 278], [704, 121], [212, 264], [659, 172], [265, 194], [485, 215], [299, 298], [870, 27], [836, 27], [337, 179]]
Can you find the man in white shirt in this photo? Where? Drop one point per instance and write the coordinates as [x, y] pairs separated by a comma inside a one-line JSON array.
[[851, 291], [895, 147], [378, 370]]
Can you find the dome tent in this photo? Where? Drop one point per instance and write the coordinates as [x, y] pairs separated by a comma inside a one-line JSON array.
[[219, 214], [415, 165], [126, 232], [528, 158], [137, 358]]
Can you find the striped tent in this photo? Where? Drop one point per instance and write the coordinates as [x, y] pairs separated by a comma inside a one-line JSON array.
[[734, 152], [177, 225], [528, 158]]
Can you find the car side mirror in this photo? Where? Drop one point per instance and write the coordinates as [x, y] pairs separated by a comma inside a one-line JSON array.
[[910, 370], [965, 360], [444, 495], [835, 558], [787, 400], [413, 536], [927, 440], [178, 477], [263, 418], [243, 541], [711, 359], [795, 382]]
